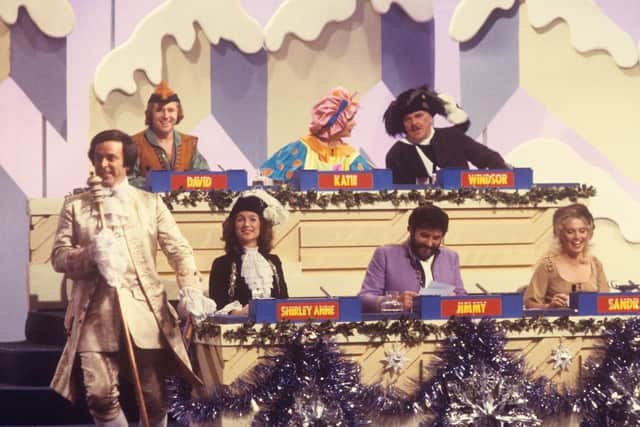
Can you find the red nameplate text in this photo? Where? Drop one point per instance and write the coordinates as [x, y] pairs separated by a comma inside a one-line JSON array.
[[471, 307], [327, 310], [619, 304], [487, 179], [342, 180], [199, 182]]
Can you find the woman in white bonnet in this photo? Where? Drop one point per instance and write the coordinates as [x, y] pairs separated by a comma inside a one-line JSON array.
[[248, 270]]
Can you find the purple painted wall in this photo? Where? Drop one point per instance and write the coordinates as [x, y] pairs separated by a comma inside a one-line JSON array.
[[38, 65], [239, 97], [407, 51]]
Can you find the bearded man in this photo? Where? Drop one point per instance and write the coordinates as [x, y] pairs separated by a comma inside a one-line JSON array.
[[412, 265]]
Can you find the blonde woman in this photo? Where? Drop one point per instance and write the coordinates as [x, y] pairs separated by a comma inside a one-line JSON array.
[[568, 266]]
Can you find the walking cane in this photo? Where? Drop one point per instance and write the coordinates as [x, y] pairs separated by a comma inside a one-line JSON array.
[[95, 186]]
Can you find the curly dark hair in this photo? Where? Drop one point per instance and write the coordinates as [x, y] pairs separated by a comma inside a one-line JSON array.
[[429, 216], [232, 245]]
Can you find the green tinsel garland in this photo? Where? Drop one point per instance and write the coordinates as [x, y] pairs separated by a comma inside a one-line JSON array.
[[410, 331], [221, 199]]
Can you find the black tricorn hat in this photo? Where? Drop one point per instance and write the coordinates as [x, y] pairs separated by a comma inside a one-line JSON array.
[[249, 203], [262, 203], [409, 101]]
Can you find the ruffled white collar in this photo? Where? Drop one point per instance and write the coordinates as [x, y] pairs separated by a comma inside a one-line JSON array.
[[115, 202], [257, 273]]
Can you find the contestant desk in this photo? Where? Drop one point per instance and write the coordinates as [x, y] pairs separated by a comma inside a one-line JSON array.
[[557, 355], [331, 247], [221, 361]]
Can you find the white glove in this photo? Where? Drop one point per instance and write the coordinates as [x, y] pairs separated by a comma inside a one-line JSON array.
[[232, 306], [455, 114], [108, 256], [193, 303]]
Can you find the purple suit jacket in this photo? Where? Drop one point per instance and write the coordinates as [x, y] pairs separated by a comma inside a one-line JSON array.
[[392, 268]]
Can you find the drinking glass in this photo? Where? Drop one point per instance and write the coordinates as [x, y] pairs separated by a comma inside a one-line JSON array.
[[391, 302]]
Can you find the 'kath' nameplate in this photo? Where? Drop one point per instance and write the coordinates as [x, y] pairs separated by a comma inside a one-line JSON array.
[[376, 179]]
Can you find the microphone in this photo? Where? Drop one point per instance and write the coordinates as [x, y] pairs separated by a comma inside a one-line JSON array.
[[324, 291], [482, 288]]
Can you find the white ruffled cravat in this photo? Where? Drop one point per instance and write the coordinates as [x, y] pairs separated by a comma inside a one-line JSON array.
[[257, 273], [115, 202]]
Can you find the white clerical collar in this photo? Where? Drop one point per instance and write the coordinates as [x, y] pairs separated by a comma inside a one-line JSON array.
[[425, 141]]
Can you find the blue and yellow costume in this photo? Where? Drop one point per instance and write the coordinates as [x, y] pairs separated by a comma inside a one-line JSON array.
[[309, 152], [323, 149]]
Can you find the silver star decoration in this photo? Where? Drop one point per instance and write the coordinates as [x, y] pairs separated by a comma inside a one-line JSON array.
[[395, 360], [486, 398], [561, 357], [310, 409]]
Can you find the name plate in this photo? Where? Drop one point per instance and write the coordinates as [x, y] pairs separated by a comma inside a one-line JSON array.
[[328, 310], [618, 304], [342, 309], [606, 304], [377, 179], [471, 307], [192, 182], [485, 178], [435, 307], [165, 180]]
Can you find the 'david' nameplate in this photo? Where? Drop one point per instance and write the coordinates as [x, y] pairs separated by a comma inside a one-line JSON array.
[[195, 181], [162, 181]]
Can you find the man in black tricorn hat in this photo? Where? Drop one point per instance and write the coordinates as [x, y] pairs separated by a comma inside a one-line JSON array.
[[414, 158], [160, 145]]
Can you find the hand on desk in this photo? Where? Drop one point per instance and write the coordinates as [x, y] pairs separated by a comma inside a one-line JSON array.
[[244, 311], [406, 299], [559, 301]]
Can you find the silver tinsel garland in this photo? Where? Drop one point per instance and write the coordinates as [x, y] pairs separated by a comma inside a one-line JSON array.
[[488, 398]]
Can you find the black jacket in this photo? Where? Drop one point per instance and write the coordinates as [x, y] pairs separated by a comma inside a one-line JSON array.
[[449, 148], [226, 283]]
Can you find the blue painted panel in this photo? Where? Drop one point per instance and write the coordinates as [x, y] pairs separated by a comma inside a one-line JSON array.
[[239, 98], [308, 179], [489, 69], [164, 181], [408, 51], [605, 304], [39, 67], [429, 307], [266, 310], [493, 178]]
